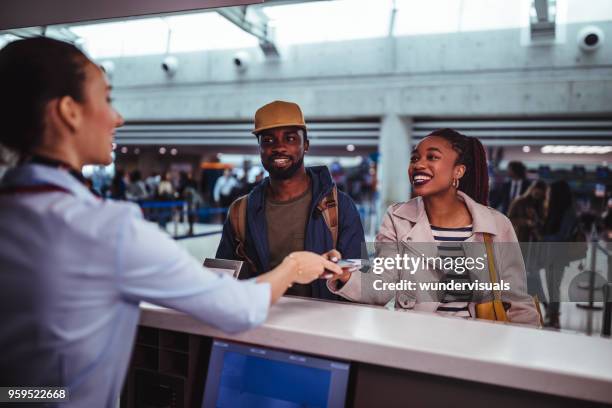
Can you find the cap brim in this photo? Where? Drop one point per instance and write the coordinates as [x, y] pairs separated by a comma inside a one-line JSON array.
[[277, 125]]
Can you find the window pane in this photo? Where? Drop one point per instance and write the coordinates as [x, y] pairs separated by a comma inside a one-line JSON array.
[[330, 21]]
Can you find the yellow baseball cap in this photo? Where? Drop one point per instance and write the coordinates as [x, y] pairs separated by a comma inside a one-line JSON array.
[[278, 114]]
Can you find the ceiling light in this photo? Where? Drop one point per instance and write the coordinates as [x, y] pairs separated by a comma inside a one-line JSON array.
[[572, 149]]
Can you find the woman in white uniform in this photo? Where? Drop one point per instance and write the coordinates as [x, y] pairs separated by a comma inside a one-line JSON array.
[[74, 267]]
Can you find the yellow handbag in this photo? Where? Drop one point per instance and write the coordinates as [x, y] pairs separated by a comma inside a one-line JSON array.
[[495, 310]]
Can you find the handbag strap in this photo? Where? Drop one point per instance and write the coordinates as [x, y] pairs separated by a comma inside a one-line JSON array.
[[491, 262], [497, 293]]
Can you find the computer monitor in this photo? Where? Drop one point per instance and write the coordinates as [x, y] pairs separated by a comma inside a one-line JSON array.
[[248, 376]]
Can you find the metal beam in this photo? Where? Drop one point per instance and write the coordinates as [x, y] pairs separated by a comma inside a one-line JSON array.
[[541, 8], [255, 23], [285, 2], [542, 25], [31, 13]]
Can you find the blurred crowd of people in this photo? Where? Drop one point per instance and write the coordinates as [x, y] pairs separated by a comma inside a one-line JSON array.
[[547, 212], [218, 187]]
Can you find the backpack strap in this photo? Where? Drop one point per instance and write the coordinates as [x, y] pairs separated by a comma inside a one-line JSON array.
[[237, 216], [328, 207]]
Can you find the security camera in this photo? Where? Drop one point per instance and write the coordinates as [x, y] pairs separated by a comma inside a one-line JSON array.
[[241, 61], [590, 38], [108, 67], [170, 65]]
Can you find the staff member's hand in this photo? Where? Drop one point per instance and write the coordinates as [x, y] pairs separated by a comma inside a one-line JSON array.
[[311, 266], [298, 267]]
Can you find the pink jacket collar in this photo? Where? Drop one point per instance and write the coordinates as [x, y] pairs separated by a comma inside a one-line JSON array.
[[414, 211]]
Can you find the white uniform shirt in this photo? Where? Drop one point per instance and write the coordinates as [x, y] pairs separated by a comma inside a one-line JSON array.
[[73, 269], [224, 186]]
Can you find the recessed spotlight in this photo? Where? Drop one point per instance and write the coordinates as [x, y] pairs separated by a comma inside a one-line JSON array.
[[173, 151], [137, 150], [114, 145], [124, 149], [526, 149], [162, 150], [350, 148]]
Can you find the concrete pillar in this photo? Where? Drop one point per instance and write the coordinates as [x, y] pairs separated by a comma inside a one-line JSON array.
[[395, 145]]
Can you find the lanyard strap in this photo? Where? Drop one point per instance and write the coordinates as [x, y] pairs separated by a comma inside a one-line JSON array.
[[33, 189]]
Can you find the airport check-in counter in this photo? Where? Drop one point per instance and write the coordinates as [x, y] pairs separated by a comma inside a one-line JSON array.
[[319, 353]]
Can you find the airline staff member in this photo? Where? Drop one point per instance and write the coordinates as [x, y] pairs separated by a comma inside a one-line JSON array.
[[73, 267]]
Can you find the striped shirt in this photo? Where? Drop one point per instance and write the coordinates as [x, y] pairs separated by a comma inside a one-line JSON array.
[[449, 240]]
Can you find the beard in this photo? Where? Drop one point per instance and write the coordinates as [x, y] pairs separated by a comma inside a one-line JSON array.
[[282, 174]]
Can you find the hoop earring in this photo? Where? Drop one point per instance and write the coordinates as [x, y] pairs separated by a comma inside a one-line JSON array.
[[456, 183]]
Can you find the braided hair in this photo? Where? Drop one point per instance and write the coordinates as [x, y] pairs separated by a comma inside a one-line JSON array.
[[471, 153]]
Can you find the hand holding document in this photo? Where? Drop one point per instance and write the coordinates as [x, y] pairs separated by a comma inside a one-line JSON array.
[[348, 266]]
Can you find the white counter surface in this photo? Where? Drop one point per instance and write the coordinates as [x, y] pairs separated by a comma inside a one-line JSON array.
[[564, 364]]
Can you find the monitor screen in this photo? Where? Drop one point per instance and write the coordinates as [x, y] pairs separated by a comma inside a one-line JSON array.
[[240, 375]]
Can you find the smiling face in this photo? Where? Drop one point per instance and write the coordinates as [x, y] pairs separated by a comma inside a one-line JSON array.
[[282, 151], [95, 135], [433, 166]]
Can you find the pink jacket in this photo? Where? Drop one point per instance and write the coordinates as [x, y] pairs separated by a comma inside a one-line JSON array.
[[406, 223]]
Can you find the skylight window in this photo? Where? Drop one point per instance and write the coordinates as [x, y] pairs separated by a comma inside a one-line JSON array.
[[448, 16], [178, 33], [323, 21]]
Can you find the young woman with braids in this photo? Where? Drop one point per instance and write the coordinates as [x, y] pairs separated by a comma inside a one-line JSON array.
[[448, 173]]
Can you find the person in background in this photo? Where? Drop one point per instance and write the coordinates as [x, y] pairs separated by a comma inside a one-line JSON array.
[[186, 181], [73, 267], [527, 216], [165, 189], [561, 221], [449, 177], [514, 187], [118, 188], [136, 190], [287, 211], [606, 221], [527, 212], [223, 193], [152, 182], [188, 191]]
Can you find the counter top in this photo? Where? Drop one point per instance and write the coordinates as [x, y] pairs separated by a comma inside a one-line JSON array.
[[563, 364]]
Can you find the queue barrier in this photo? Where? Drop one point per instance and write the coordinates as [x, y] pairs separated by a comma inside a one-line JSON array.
[[178, 211]]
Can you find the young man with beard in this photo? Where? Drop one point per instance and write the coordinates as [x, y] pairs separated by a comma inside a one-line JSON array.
[[295, 208]]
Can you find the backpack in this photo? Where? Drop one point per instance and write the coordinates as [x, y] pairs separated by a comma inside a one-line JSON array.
[[328, 207]]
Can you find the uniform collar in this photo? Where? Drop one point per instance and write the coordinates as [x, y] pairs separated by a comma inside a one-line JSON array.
[[30, 174], [482, 217]]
